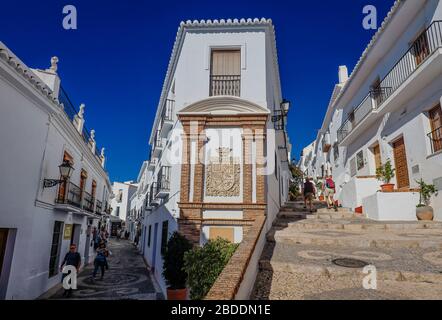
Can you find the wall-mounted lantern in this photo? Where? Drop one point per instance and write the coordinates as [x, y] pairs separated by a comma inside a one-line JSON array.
[[65, 173]]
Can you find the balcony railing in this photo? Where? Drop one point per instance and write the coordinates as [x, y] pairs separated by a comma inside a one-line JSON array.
[[71, 195], [152, 193], [372, 101], [88, 202], [167, 114], [427, 43], [99, 207], [436, 140], [225, 85], [71, 112], [163, 182]]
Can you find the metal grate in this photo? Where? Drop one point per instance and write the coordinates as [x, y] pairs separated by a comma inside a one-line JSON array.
[[350, 263]]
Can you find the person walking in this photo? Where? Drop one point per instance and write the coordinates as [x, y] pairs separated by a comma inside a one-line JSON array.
[[329, 192], [72, 258], [309, 192], [100, 260]]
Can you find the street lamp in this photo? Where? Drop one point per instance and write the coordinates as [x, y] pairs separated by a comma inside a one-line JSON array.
[[65, 173], [285, 106]]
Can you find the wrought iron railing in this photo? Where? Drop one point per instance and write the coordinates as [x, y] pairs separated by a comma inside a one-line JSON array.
[[225, 85], [71, 112], [436, 140], [424, 46], [88, 202], [167, 113], [152, 193], [99, 207], [372, 101], [70, 195]]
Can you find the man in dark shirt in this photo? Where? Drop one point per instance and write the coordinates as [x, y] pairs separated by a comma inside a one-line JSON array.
[[72, 258], [309, 193]]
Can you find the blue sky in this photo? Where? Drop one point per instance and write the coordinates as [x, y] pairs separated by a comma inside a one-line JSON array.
[[115, 62]]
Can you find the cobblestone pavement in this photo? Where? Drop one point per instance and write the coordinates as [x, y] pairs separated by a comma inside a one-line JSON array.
[[297, 262], [127, 278]]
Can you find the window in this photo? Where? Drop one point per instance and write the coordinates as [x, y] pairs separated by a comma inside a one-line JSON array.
[[360, 160], [63, 186], [353, 170], [435, 136], [336, 152], [117, 212], [149, 236], [225, 73], [164, 234], [94, 188], [421, 48], [55, 248], [377, 156]]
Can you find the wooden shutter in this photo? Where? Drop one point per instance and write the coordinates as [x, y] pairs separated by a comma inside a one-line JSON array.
[[421, 48], [377, 156], [63, 186], [436, 128], [400, 159], [226, 62]]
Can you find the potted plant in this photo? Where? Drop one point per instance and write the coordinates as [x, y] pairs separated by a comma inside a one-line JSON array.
[[385, 173], [424, 211], [173, 272]]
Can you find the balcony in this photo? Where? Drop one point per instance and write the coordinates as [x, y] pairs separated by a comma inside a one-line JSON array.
[[436, 140], [69, 196], [88, 202], [153, 201], [157, 147], [163, 182], [374, 99], [410, 75], [166, 123], [225, 85], [99, 207], [152, 164]]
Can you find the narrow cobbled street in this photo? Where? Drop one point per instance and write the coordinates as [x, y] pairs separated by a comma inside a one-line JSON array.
[[128, 278]]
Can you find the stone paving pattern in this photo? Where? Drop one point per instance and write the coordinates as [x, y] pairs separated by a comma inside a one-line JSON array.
[[128, 278], [296, 263]]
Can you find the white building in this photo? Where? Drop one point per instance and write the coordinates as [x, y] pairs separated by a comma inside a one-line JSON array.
[[219, 127], [39, 130], [389, 109], [120, 204]]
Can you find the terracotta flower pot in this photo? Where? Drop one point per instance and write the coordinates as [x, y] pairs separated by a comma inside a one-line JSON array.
[[321, 198], [178, 294], [389, 187], [425, 213]]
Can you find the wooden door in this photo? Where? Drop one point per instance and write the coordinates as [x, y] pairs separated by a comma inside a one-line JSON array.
[[377, 156], [400, 159], [3, 240], [63, 186], [436, 128]]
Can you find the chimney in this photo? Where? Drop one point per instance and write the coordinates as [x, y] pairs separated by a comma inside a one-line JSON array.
[[50, 76], [343, 74]]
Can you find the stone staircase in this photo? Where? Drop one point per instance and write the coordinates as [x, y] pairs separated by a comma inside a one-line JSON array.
[[298, 259]]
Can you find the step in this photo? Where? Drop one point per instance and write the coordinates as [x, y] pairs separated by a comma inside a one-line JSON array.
[[425, 238], [337, 272], [358, 225]]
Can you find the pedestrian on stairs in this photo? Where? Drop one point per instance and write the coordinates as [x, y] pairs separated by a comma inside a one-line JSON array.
[[329, 192], [309, 193]]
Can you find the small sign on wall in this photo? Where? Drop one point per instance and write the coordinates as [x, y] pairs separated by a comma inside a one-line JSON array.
[[67, 232]]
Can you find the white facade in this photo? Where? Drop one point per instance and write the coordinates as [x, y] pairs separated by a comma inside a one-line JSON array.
[[388, 99], [120, 204], [187, 89], [37, 134]]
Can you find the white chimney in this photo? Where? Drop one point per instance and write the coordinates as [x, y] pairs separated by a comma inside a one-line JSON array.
[[343, 74]]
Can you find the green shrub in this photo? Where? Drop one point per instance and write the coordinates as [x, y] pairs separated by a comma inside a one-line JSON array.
[[385, 172], [204, 264], [426, 191], [173, 271]]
